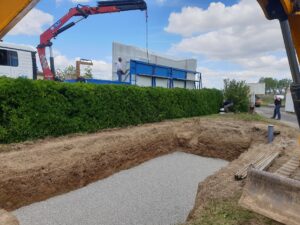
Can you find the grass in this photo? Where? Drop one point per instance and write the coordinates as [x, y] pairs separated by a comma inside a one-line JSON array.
[[228, 212], [250, 117], [240, 116]]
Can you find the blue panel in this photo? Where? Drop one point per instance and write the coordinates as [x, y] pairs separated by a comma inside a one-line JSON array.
[[179, 74], [144, 69], [70, 81], [149, 69], [161, 71], [132, 67]]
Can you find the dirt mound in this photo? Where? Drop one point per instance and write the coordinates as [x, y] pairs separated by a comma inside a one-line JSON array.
[[31, 172]]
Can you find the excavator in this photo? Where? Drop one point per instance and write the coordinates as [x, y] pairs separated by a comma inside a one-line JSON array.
[[271, 194]]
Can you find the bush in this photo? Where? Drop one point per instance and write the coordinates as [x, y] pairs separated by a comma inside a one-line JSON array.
[[237, 92], [35, 109]]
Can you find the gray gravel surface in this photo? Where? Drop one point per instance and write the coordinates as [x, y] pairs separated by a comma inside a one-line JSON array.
[[159, 192]]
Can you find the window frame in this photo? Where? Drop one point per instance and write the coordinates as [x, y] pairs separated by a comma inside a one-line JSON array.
[[12, 58]]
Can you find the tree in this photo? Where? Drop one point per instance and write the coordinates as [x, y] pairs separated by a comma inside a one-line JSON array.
[[271, 84], [283, 85], [274, 86], [237, 92], [69, 72], [88, 73]]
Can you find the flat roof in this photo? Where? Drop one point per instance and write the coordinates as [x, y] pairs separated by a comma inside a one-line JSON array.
[[17, 47]]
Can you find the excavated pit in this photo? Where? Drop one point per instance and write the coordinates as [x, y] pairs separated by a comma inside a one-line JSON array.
[[35, 171]]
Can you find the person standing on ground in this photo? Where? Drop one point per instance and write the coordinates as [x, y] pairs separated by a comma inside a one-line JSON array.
[[277, 104]]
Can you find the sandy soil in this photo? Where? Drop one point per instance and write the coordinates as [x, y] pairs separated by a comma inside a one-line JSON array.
[[7, 219], [34, 171]]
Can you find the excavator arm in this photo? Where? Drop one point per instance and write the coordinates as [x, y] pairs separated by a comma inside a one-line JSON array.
[[12, 11], [83, 12], [288, 14], [276, 195]]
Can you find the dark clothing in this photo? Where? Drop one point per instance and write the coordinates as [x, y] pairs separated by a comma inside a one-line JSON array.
[[277, 104], [120, 73]]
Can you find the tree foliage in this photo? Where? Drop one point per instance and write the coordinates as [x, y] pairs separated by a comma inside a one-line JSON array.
[[88, 74], [237, 92], [68, 73], [275, 86]]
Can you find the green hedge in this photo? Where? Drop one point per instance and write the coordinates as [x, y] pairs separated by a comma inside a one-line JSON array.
[[36, 109]]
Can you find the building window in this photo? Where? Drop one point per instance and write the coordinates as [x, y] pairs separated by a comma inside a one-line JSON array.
[[9, 58]]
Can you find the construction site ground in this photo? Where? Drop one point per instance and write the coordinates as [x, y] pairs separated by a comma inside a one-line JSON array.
[[37, 170]]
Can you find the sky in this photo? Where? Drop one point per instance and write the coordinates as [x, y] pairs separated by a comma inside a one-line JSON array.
[[229, 38]]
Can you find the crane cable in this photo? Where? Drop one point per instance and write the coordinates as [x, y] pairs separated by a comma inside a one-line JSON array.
[[147, 36]]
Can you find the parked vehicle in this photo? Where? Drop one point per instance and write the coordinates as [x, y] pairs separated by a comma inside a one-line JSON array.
[[17, 61], [258, 101]]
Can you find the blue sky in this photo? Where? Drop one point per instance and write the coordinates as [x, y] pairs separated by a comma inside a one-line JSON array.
[[230, 38]]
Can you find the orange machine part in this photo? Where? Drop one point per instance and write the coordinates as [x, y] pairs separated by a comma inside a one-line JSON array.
[[12, 11]]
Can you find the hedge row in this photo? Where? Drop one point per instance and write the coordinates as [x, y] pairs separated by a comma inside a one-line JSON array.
[[36, 109]]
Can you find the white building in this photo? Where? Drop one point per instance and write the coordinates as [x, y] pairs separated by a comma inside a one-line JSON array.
[[17, 61], [257, 88]]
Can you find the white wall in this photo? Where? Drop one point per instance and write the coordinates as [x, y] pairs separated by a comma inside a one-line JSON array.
[[143, 81], [190, 85], [178, 84], [289, 105], [25, 66], [257, 88], [162, 82]]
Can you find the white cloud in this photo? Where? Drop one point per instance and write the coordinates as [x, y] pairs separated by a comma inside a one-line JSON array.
[[239, 35], [33, 23], [193, 20], [214, 77], [80, 1], [221, 32], [161, 1], [233, 42], [74, 1]]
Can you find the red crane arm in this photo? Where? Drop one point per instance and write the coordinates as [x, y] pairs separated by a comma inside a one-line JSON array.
[[84, 12]]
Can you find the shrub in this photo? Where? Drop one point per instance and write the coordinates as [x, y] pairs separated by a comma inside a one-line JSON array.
[[35, 109], [238, 92]]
